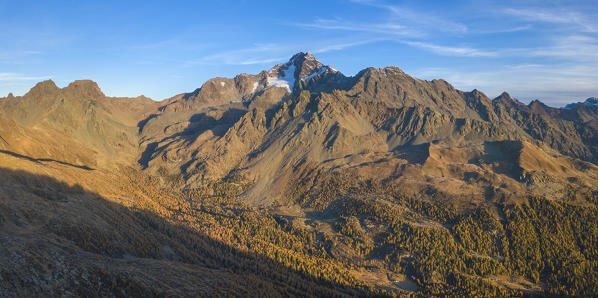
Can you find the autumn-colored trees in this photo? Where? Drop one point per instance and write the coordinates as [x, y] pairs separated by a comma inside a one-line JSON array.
[[551, 246]]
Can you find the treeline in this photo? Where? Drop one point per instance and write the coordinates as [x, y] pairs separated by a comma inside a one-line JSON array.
[[552, 245], [214, 210]]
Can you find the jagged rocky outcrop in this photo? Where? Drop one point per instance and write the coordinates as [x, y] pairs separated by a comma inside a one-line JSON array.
[[303, 114], [76, 124], [273, 127]]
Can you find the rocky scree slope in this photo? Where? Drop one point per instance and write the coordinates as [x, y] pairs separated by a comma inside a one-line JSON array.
[[300, 117]]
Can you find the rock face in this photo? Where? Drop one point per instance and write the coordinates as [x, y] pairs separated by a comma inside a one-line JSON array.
[[303, 117], [77, 124], [362, 177]]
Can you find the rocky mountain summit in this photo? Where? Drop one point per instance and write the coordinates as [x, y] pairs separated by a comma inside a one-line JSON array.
[[76, 124], [296, 181], [302, 117]]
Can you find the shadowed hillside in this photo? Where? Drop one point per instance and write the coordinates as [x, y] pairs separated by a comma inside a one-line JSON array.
[[60, 239], [297, 181], [303, 117]]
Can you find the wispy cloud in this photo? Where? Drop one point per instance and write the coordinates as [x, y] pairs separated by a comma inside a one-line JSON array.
[[17, 56], [22, 53], [341, 46], [400, 21], [272, 53], [408, 27], [344, 25], [575, 47], [580, 48], [555, 17], [406, 16], [501, 30], [261, 61], [259, 54], [11, 76], [450, 50], [572, 48], [554, 84], [177, 42], [428, 20]]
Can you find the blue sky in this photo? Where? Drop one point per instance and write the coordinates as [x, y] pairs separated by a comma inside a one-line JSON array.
[[545, 50]]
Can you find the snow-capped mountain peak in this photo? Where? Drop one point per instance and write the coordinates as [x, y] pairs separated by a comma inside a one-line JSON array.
[[592, 101], [301, 67]]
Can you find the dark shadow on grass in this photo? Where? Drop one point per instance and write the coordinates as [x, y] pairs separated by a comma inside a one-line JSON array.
[[90, 246], [39, 160]]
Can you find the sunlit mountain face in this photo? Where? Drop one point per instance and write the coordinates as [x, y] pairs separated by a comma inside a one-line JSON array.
[[297, 180]]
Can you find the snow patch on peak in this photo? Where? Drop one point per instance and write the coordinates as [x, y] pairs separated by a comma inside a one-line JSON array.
[[592, 101], [255, 85], [287, 80], [318, 71]]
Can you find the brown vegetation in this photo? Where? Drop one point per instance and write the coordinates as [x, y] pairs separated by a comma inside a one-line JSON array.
[[377, 184]]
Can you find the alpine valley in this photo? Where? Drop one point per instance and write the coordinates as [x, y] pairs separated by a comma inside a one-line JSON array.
[[297, 181]]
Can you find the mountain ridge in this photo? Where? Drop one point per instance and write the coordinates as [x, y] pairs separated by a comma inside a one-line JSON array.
[[229, 125], [297, 181]]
